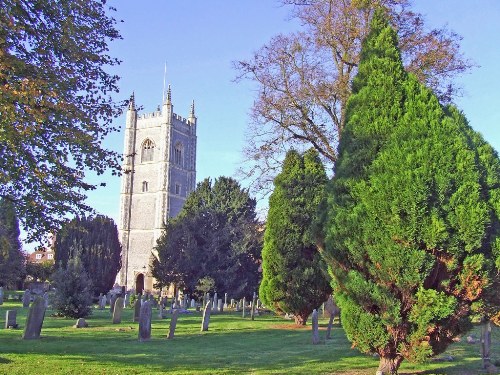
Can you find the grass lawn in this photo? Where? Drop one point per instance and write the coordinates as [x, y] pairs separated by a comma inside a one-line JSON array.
[[233, 345]]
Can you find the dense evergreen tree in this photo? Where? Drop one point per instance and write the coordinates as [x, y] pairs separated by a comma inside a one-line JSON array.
[[294, 274], [215, 236], [73, 290], [95, 241], [12, 258], [412, 221]]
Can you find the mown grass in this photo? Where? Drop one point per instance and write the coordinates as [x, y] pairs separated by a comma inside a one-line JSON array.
[[233, 345]]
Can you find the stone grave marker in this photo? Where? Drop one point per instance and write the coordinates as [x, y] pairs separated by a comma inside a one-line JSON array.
[[206, 317], [225, 300], [114, 297], [331, 309], [108, 299], [315, 328], [11, 319], [1, 295], [26, 298], [252, 311], [243, 307], [34, 320], [126, 300], [220, 307], [173, 324], [81, 323], [193, 303], [137, 309], [145, 322], [160, 312], [117, 311]]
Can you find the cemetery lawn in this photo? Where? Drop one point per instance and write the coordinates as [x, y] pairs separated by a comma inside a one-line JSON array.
[[233, 345]]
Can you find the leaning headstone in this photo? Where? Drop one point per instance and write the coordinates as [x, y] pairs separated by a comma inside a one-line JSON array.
[[137, 309], [244, 307], [206, 317], [34, 319], [173, 324], [11, 319], [1, 295], [26, 298], [315, 328], [81, 323], [114, 297], [145, 322], [117, 311]]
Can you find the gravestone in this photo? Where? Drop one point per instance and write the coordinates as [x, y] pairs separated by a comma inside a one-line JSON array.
[[173, 324], [114, 297], [193, 303], [214, 303], [126, 300], [1, 295], [26, 298], [232, 302], [225, 300], [108, 299], [46, 299], [34, 320], [11, 319], [206, 317], [219, 305], [252, 311], [160, 312], [315, 328], [117, 311], [145, 322], [137, 309], [243, 307], [81, 323]]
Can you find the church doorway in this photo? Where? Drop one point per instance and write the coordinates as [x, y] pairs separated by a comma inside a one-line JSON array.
[[139, 284]]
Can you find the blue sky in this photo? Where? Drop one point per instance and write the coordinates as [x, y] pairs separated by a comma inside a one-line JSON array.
[[199, 40]]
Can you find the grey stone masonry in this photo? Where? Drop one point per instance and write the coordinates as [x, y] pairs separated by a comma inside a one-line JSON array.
[[173, 324], [117, 312], [11, 319], [34, 320], [315, 328], [145, 322], [26, 298], [206, 317]]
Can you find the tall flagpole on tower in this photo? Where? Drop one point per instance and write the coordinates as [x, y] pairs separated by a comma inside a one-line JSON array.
[[164, 82]]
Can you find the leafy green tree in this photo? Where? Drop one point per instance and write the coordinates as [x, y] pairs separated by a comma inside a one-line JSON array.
[[294, 275], [95, 241], [56, 106], [411, 226], [73, 290], [215, 236], [12, 258], [40, 271]]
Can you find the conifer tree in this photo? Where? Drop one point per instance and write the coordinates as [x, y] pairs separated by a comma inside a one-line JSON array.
[[95, 241], [12, 259], [294, 275], [412, 223]]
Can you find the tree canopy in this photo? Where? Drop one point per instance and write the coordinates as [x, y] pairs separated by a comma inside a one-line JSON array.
[[56, 106], [216, 235], [294, 279], [412, 216], [303, 79], [94, 240], [12, 258]]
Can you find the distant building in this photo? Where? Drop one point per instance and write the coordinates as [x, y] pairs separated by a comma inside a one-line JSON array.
[[40, 256], [159, 171]]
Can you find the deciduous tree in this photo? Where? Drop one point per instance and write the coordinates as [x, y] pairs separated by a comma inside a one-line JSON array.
[[12, 258], [56, 106], [413, 221], [295, 279]]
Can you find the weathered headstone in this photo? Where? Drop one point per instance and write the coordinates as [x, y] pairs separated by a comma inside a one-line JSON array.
[[117, 311], [126, 300], [193, 303], [160, 312], [145, 322], [34, 320], [114, 297], [11, 319], [486, 347], [206, 317], [108, 299], [225, 300], [101, 302], [1, 295], [137, 309], [46, 299], [232, 302], [332, 310], [214, 303], [27, 298], [81, 323], [315, 328], [219, 305], [173, 324], [244, 307], [254, 301]]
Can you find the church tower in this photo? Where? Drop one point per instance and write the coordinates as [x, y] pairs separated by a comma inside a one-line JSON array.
[[159, 171]]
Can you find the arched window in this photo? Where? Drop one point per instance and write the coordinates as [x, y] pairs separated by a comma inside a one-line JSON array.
[[147, 150], [178, 151]]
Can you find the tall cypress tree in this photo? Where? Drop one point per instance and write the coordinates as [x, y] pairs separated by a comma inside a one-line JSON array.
[[294, 276], [95, 241], [412, 221], [12, 258]]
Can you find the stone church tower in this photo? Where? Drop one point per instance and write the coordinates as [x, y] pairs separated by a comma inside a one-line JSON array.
[[159, 171]]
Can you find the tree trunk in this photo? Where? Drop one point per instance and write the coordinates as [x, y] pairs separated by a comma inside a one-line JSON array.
[[329, 328], [389, 366]]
